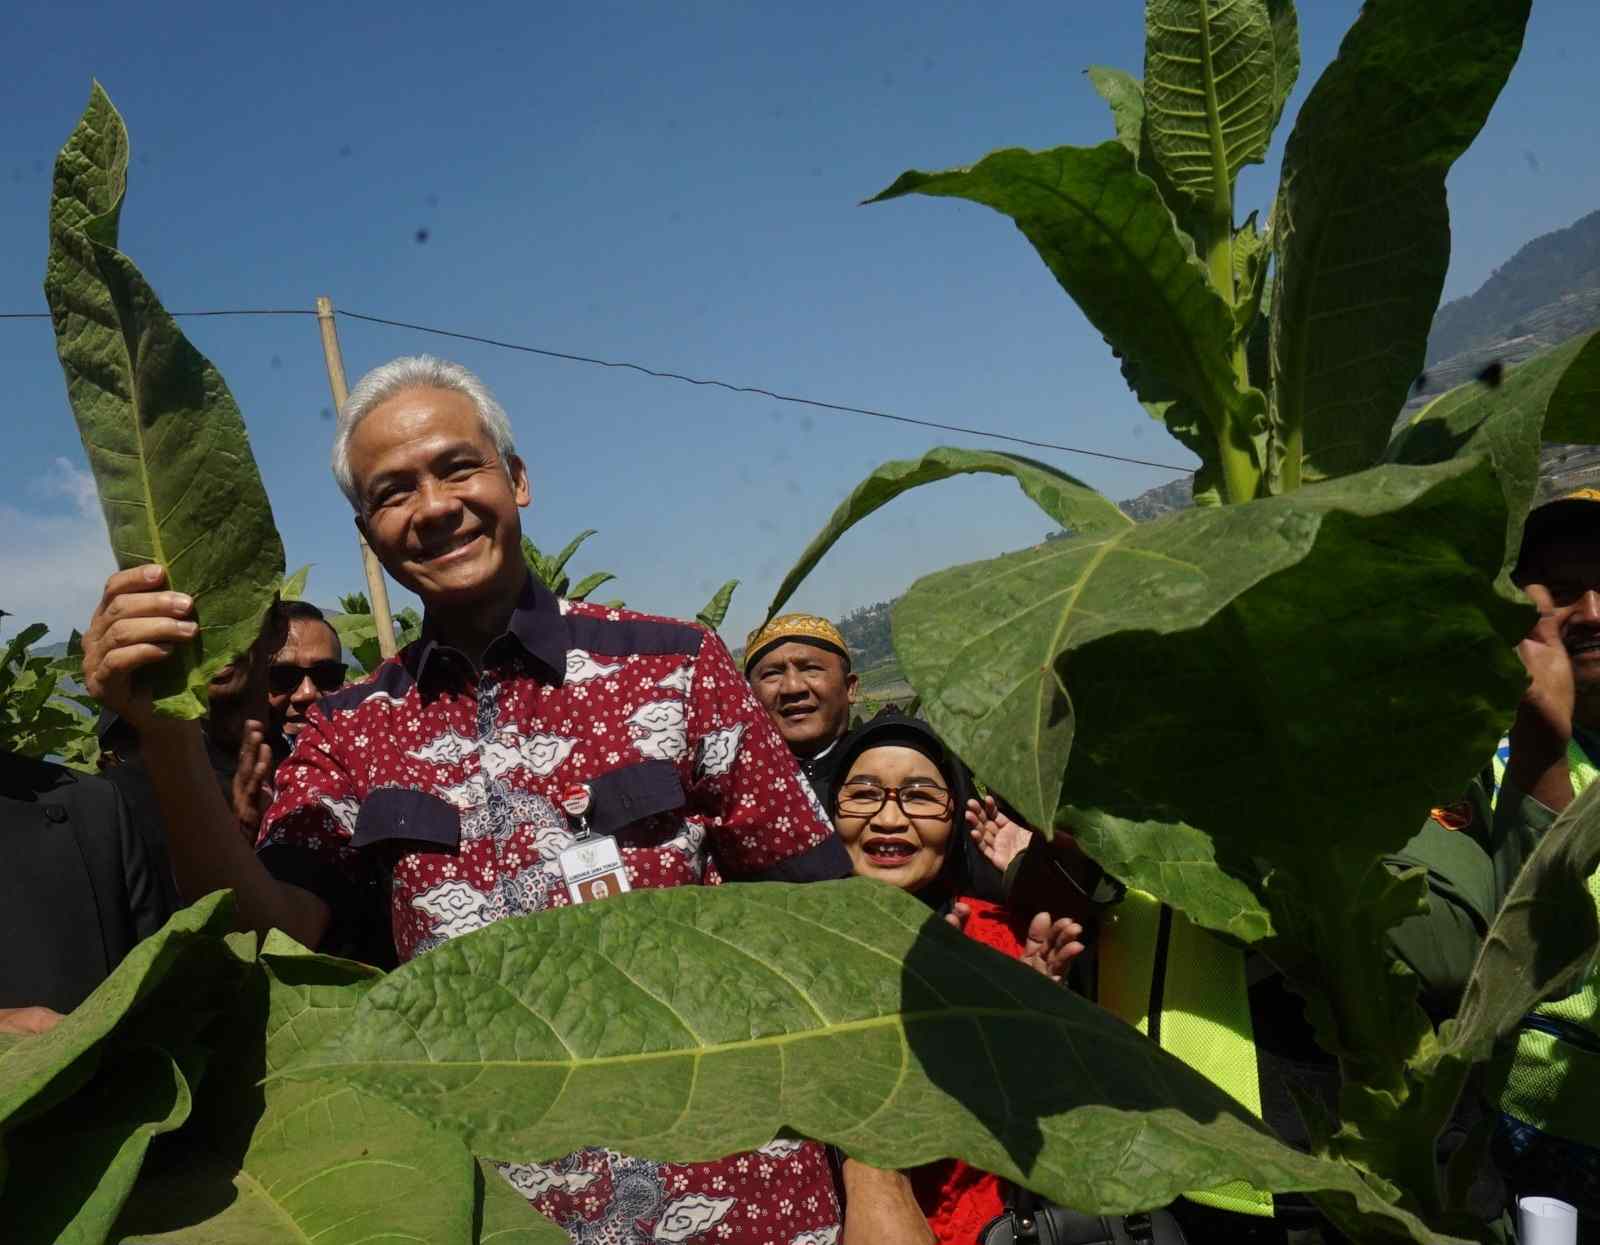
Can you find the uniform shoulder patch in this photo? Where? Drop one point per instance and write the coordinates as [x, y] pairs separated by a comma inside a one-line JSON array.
[[1457, 816]]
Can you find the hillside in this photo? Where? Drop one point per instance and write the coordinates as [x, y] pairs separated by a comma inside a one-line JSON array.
[[1550, 288]]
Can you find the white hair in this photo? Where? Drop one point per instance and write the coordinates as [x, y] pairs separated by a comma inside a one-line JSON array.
[[421, 371]]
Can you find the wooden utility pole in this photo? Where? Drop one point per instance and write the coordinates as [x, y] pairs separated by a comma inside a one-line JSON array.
[[377, 590]]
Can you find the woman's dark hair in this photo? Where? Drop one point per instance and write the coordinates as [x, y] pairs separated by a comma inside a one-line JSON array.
[[965, 871]]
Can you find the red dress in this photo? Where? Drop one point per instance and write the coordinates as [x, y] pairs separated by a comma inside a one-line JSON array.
[[959, 1199]]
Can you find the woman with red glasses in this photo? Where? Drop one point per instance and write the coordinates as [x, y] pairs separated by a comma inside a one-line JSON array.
[[900, 809]]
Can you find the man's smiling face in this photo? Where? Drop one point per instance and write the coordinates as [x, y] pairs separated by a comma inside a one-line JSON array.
[[807, 691], [439, 505]]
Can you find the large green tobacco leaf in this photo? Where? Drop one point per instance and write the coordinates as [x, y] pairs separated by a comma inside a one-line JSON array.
[[73, 1169], [690, 1023], [37, 1071], [1105, 232], [1507, 422], [1232, 668], [291, 1162], [1125, 96], [1542, 940], [1361, 228], [1215, 79], [163, 435], [1574, 410], [1178, 863], [1067, 500]]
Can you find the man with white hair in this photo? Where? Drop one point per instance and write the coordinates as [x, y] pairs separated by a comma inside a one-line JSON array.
[[482, 771]]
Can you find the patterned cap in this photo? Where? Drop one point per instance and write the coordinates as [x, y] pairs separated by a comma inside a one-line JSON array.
[[806, 628]]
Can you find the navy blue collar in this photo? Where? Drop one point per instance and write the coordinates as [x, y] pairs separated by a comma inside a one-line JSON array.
[[536, 626]]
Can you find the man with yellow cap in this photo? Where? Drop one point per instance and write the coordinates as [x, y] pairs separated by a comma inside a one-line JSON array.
[[798, 666]]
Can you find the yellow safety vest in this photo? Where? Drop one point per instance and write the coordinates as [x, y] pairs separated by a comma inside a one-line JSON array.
[[1185, 988], [1559, 1045]]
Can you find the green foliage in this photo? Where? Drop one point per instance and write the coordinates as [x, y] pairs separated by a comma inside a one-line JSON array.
[[208, 1092], [358, 630], [716, 609], [1244, 709], [1142, 231], [1215, 82], [1105, 232], [294, 586], [163, 435], [1357, 289], [1549, 398], [40, 714], [1070, 502], [552, 571]]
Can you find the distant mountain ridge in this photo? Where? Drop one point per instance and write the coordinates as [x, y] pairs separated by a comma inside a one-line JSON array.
[[1550, 288]]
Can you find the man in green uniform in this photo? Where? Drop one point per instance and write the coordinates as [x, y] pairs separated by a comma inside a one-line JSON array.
[[1548, 1087], [1257, 1043]]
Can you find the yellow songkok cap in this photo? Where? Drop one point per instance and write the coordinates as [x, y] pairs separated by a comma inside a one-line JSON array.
[[806, 628]]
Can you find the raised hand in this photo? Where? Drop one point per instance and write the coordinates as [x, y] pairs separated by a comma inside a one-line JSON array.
[[1542, 728], [1051, 945], [135, 625], [997, 836], [251, 791], [1551, 696]]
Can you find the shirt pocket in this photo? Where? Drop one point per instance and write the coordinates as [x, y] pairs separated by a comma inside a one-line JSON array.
[[632, 794], [411, 820]]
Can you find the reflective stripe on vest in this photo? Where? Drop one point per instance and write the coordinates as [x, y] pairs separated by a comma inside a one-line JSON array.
[[1186, 988], [1560, 1041]]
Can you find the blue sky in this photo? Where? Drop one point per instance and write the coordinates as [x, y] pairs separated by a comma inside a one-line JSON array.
[[671, 184]]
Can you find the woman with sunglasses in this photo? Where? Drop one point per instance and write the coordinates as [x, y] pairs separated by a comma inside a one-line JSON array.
[[900, 809]]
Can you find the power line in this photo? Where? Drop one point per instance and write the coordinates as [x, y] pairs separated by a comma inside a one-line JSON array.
[[706, 382], [766, 393], [249, 311]]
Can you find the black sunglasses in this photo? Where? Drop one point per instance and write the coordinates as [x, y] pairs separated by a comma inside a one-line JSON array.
[[325, 676]]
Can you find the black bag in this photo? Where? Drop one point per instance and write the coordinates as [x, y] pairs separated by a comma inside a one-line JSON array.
[[1028, 1221]]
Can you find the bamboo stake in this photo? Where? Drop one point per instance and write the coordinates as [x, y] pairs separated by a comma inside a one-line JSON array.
[[377, 590]]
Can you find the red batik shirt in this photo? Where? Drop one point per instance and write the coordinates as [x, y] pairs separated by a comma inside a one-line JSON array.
[[438, 788]]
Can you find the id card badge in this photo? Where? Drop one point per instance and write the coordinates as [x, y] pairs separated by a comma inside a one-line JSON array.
[[592, 869]]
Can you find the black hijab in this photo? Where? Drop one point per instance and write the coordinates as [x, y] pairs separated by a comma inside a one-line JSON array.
[[965, 870]]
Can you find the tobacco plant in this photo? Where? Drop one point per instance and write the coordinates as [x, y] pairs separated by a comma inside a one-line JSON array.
[[357, 630], [41, 715], [1244, 708]]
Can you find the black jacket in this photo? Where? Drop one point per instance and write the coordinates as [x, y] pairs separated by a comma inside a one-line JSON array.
[[77, 887]]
